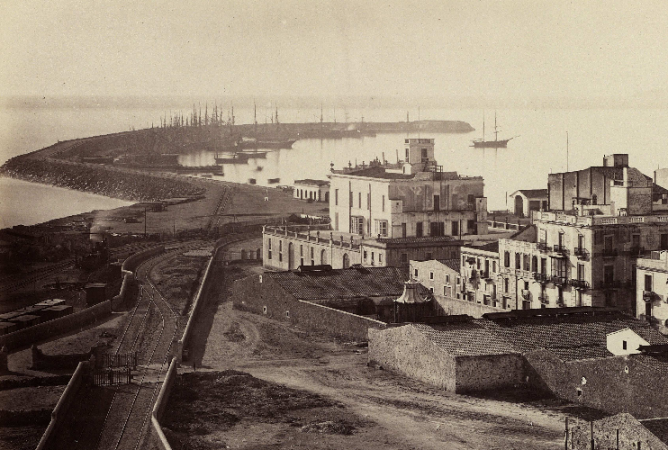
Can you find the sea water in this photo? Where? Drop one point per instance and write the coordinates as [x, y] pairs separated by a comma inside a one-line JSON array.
[[539, 146]]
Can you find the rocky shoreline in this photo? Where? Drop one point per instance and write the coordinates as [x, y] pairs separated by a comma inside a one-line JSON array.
[[97, 179]]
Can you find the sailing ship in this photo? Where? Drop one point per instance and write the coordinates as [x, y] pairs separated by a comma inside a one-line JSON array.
[[496, 143]]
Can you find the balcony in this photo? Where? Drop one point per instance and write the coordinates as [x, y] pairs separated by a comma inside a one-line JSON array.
[[636, 251], [560, 250], [544, 299], [649, 296], [559, 281], [540, 277], [485, 275], [543, 247], [580, 284], [581, 253], [526, 294], [609, 252]]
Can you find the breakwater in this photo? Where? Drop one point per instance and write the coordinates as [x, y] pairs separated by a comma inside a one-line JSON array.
[[98, 179]]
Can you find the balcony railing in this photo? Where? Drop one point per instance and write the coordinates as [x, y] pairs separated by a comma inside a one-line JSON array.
[[609, 252], [580, 284], [559, 281], [636, 251], [543, 247], [581, 253], [649, 296], [544, 299], [560, 250], [540, 277]]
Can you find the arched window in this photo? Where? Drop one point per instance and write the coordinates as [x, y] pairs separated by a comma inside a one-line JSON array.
[[534, 264], [323, 257], [346, 261]]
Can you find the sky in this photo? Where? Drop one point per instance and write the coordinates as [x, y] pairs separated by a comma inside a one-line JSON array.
[[404, 49]]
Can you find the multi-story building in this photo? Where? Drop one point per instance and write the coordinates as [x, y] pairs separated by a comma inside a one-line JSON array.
[[652, 289], [386, 215], [480, 270], [414, 198], [586, 256]]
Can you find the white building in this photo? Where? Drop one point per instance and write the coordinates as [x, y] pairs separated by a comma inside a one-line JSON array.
[[309, 189], [652, 289]]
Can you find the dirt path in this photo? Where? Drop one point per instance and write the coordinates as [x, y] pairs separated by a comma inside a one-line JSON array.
[[408, 414]]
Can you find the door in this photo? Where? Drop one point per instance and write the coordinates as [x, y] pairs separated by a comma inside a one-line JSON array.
[[418, 229], [291, 256]]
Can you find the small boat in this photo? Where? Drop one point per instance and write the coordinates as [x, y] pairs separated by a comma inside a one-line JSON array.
[[236, 158], [268, 143], [273, 180], [252, 181], [496, 143]]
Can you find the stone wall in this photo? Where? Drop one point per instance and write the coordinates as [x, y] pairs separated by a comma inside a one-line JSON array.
[[266, 297], [622, 431], [406, 351], [486, 372], [640, 386]]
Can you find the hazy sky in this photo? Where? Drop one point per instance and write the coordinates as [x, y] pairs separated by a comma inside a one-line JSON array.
[[324, 48]]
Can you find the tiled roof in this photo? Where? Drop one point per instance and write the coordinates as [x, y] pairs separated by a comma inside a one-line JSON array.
[[453, 263], [534, 193], [343, 283], [463, 339], [526, 234], [569, 339]]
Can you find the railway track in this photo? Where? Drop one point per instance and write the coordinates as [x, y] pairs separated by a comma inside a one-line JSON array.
[[152, 331]]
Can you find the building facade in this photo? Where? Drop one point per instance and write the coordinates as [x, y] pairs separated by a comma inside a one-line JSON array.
[[413, 198], [386, 215], [652, 289], [525, 201], [308, 189]]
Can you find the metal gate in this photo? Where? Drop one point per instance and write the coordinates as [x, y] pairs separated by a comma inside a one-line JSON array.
[[112, 377], [120, 360]]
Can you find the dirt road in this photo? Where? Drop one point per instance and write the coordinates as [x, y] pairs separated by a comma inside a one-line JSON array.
[[405, 414]]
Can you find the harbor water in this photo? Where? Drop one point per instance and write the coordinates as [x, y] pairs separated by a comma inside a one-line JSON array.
[[538, 147]]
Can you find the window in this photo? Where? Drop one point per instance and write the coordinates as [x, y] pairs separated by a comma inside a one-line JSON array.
[[431, 289], [368, 201], [404, 258], [471, 227], [431, 275], [477, 263], [648, 282], [380, 258], [437, 228], [365, 255], [607, 244], [418, 229], [526, 263], [357, 225], [506, 259], [269, 249], [505, 285], [359, 200], [383, 204], [280, 251], [350, 199], [336, 221], [518, 258], [447, 279], [459, 280], [581, 241], [415, 273], [424, 155], [543, 266], [494, 266], [455, 228], [623, 345], [437, 202], [336, 197], [381, 227], [301, 250], [664, 241], [406, 155], [608, 274], [581, 271], [373, 258], [403, 230], [561, 239]]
